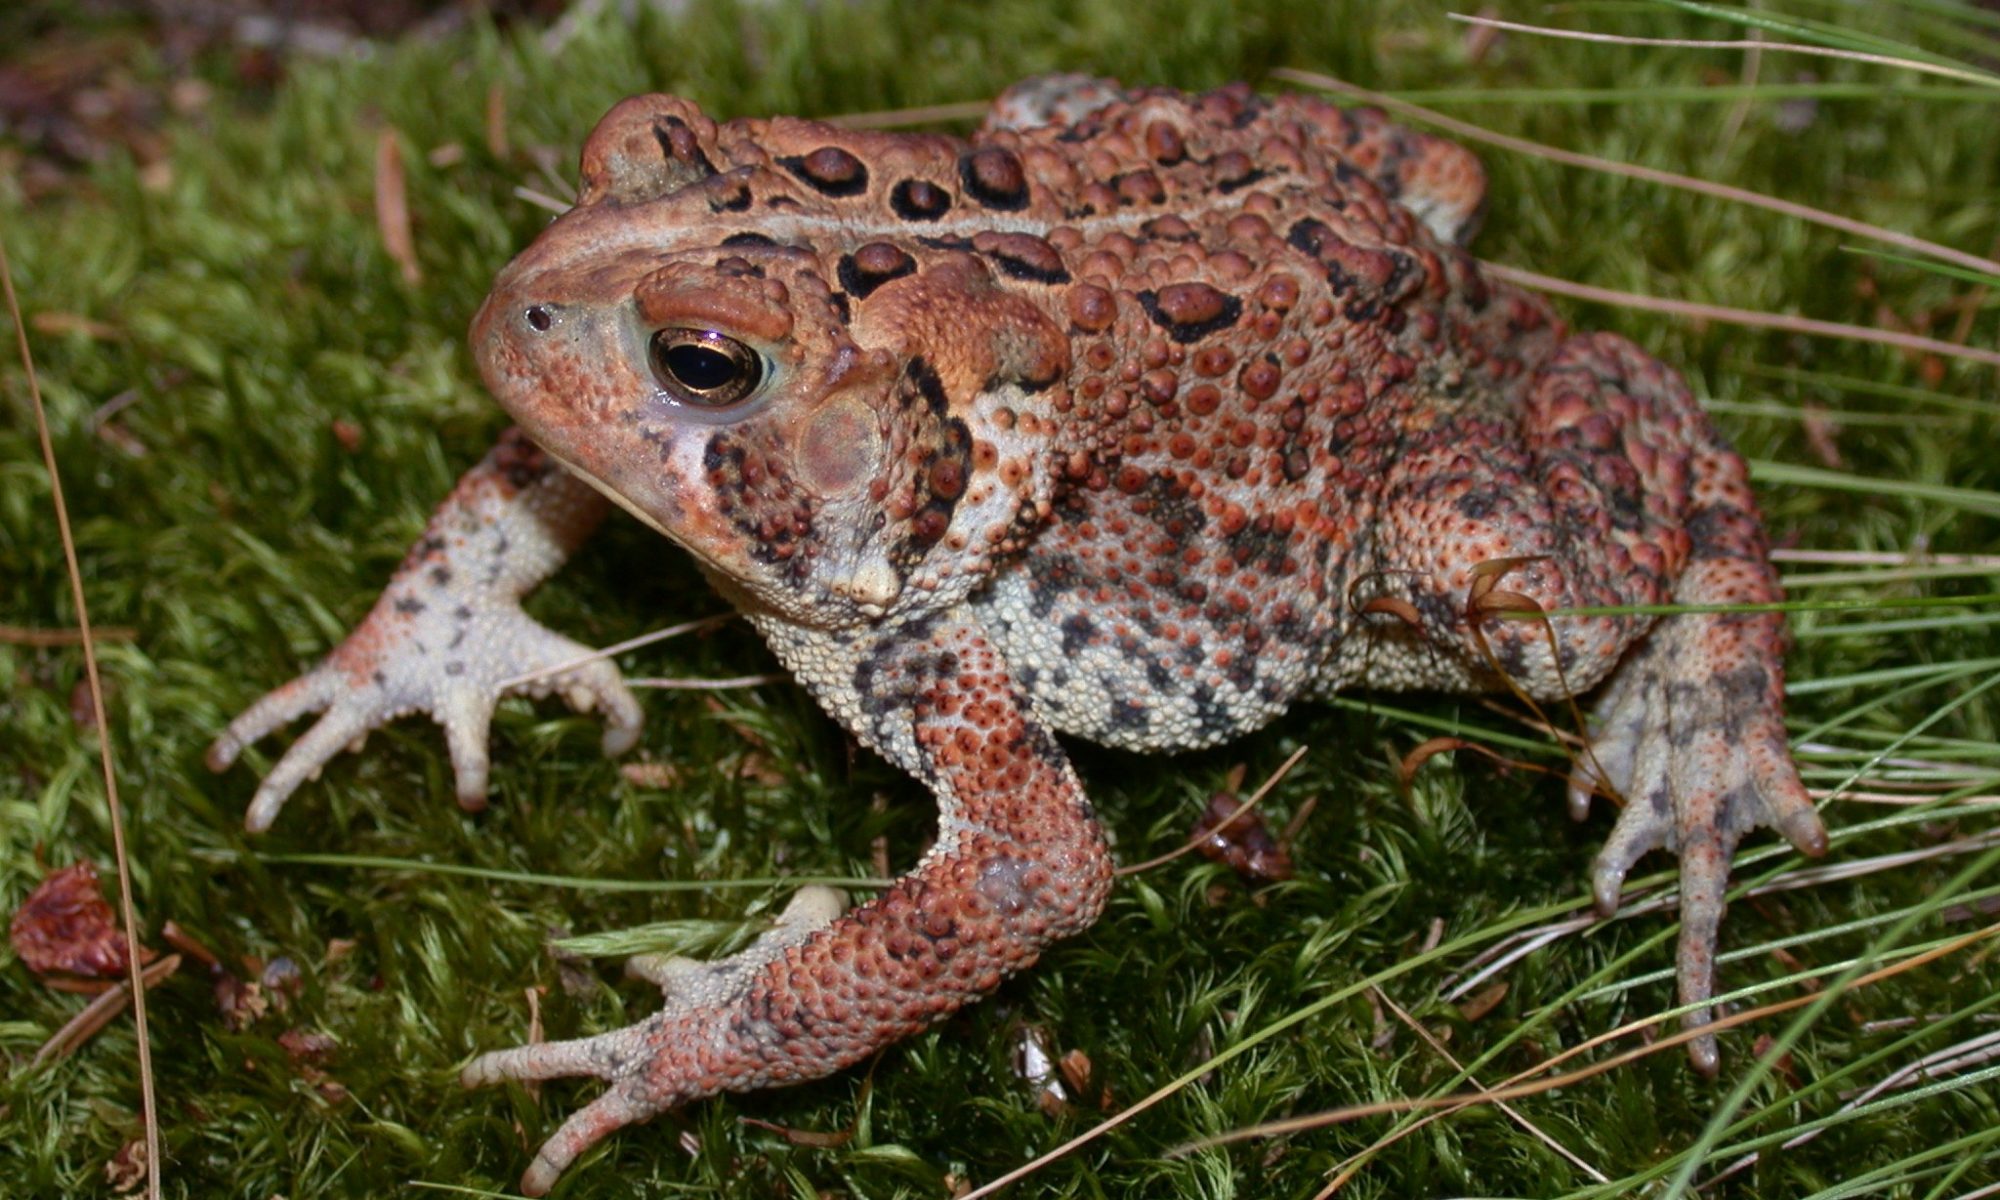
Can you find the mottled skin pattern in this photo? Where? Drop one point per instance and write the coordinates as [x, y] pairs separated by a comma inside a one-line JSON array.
[[1136, 418]]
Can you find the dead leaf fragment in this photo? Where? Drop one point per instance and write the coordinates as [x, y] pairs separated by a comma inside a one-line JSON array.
[[125, 1171], [1485, 1002], [307, 1047], [650, 774], [392, 206], [66, 926], [241, 1003], [496, 123], [1240, 839]]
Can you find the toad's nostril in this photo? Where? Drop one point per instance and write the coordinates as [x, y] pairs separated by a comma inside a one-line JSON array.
[[540, 318]]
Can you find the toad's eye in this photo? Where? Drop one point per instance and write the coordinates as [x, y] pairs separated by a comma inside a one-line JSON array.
[[703, 367]]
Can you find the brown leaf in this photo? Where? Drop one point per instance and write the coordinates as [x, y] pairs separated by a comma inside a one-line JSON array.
[[66, 925], [1240, 839]]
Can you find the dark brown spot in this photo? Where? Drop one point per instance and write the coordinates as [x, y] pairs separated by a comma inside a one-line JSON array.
[[919, 200], [1191, 311], [1023, 256], [930, 524], [830, 170], [873, 265], [679, 144], [994, 177], [1234, 169]]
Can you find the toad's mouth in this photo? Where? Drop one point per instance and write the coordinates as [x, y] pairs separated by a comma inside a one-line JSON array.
[[645, 518]]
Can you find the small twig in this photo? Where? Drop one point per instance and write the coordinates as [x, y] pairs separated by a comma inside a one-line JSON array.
[[1905, 799], [539, 199], [392, 206], [1885, 558]]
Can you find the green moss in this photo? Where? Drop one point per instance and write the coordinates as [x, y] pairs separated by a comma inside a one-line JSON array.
[[254, 309]]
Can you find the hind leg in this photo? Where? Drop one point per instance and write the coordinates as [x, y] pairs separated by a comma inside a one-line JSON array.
[[1608, 488]]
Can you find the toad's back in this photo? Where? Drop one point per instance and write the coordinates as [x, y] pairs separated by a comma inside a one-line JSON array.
[[1268, 304]]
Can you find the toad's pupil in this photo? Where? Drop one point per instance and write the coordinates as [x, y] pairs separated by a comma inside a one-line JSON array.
[[700, 367]]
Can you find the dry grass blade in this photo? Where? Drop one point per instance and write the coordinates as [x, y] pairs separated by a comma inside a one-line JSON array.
[[705, 685], [644, 639], [1885, 558], [1803, 212], [1517, 1087], [1751, 318], [929, 114], [1935, 1065], [1438, 1048], [127, 915], [1753, 45], [541, 199], [1256, 798], [1504, 954]]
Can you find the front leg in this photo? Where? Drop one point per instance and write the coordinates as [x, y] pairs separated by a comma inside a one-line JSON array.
[[1019, 862], [448, 636]]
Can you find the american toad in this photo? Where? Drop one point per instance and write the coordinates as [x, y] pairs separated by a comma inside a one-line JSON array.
[[1136, 417]]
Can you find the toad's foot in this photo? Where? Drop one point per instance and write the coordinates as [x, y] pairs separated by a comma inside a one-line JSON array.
[[621, 1058], [1019, 862], [1697, 749], [448, 636]]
